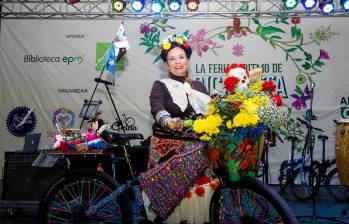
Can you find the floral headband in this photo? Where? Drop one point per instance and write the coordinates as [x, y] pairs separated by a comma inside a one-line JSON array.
[[176, 40]]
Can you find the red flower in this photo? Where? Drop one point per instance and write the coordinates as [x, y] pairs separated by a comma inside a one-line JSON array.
[[235, 105], [295, 20], [253, 160], [214, 185], [230, 83], [277, 100], [268, 86], [244, 164], [203, 180], [200, 191]]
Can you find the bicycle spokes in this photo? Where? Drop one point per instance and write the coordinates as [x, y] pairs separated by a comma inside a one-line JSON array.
[[246, 206], [69, 204]]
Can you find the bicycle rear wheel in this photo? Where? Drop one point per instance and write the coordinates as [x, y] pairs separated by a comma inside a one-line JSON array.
[[334, 187], [71, 195], [284, 173], [305, 183], [249, 201]]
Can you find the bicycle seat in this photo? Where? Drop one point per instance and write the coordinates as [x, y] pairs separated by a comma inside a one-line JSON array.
[[322, 137], [120, 138]]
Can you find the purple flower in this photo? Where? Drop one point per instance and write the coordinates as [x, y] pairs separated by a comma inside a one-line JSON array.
[[300, 101], [238, 50], [144, 28], [324, 55], [199, 43]]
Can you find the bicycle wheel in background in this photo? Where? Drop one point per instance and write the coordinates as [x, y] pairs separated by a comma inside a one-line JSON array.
[[284, 175], [334, 187], [69, 197], [249, 201], [305, 183]]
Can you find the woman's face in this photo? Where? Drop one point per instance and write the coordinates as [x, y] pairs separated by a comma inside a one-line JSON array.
[[177, 61]]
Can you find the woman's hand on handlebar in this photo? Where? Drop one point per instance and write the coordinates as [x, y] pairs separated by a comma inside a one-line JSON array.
[[174, 124]]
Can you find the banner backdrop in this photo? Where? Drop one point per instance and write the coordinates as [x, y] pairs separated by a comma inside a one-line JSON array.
[[48, 68]]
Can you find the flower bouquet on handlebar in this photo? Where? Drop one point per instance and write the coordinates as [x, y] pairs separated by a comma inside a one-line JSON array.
[[237, 123]]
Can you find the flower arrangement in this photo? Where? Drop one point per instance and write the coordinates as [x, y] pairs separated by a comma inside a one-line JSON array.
[[236, 124]]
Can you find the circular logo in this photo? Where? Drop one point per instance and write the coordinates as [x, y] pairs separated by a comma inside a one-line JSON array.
[[64, 117], [21, 121]]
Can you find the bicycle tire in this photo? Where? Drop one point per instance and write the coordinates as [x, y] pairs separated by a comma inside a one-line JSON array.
[[310, 184], [232, 203], [284, 174], [68, 197], [334, 188]]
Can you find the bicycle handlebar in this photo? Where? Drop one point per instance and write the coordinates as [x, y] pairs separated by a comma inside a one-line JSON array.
[[308, 125]]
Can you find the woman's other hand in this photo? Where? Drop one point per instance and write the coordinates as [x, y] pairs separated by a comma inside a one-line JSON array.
[[174, 124]]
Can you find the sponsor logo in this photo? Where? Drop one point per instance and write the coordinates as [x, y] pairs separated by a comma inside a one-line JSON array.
[[102, 50], [344, 107], [74, 36], [29, 58], [21, 121], [128, 122], [64, 117], [69, 91]]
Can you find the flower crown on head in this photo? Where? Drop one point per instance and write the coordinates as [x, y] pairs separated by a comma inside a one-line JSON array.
[[232, 66], [177, 39]]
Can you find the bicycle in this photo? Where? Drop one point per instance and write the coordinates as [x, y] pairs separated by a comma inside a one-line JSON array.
[[91, 196], [296, 174]]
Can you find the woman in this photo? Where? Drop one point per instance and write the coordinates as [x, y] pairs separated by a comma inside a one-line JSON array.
[[172, 100]]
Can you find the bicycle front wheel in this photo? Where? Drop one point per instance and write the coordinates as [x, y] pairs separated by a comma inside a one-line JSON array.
[[249, 201], [305, 183], [334, 188], [69, 197]]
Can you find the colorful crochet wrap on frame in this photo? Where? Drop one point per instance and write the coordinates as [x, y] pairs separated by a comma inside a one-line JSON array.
[[167, 183]]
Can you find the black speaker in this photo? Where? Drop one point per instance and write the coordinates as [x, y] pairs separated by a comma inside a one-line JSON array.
[[22, 181]]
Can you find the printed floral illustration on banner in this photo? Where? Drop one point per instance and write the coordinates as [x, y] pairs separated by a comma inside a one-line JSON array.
[[283, 32], [236, 124]]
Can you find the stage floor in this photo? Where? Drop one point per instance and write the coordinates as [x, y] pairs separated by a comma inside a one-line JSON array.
[[325, 207]]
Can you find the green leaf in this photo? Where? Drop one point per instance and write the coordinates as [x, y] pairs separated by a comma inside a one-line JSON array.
[[300, 48], [306, 65], [256, 21], [318, 63], [185, 33], [143, 39], [221, 36], [298, 59], [149, 49], [291, 49], [299, 90], [275, 37], [293, 31], [157, 58], [308, 56], [270, 29], [286, 56], [145, 44], [272, 43]]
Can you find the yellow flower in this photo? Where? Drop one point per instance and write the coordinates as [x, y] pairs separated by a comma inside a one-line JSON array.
[[209, 125], [212, 108], [249, 106], [244, 119], [229, 124], [179, 40], [166, 45], [256, 87], [205, 138]]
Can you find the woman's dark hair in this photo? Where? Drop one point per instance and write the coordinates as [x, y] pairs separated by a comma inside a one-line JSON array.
[[184, 46]]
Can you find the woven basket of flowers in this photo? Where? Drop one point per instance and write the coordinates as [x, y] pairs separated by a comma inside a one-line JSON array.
[[236, 124]]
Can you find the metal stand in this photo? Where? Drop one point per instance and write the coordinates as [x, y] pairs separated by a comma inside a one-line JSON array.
[[310, 147], [106, 84]]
